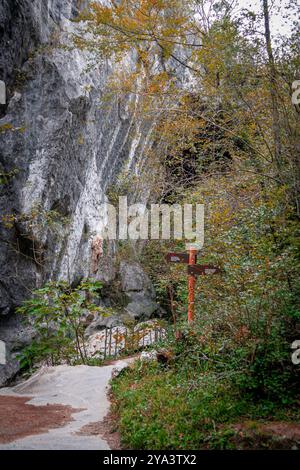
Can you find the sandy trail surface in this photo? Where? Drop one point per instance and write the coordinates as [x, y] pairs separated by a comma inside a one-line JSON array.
[[56, 407]]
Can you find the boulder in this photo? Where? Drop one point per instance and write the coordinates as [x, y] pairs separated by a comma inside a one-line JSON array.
[[142, 308], [9, 370], [134, 279], [148, 356], [101, 322], [15, 333], [15, 336], [139, 291]]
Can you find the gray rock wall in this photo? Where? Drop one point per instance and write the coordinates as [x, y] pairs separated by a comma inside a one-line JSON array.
[[66, 142]]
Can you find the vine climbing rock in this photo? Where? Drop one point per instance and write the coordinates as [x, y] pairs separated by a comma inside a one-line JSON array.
[[56, 408]]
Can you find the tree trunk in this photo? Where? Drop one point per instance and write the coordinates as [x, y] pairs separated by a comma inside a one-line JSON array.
[[273, 88]]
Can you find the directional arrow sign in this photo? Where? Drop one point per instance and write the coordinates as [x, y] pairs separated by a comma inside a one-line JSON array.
[[203, 269], [178, 258]]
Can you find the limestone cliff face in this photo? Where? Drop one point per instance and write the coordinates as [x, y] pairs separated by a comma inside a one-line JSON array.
[[65, 142]]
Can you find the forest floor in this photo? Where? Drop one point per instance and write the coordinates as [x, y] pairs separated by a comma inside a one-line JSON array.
[[166, 407]]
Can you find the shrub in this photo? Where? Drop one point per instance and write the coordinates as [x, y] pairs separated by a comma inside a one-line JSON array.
[[56, 314]]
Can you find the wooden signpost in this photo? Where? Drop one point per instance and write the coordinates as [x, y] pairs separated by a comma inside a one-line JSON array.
[[203, 269], [193, 270], [178, 258]]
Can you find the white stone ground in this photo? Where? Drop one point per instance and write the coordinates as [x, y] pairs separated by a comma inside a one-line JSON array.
[[144, 334], [77, 386]]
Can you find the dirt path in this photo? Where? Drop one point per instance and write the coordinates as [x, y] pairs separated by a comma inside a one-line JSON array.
[[56, 407]]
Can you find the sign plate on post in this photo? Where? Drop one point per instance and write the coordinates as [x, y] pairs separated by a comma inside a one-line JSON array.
[[178, 258], [193, 270], [202, 270]]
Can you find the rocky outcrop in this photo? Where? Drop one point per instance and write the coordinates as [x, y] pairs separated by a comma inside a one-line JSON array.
[[138, 301], [139, 291], [62, 143]]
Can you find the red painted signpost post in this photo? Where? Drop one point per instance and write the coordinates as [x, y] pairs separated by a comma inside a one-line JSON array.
[[193, 270], [192, 283]]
